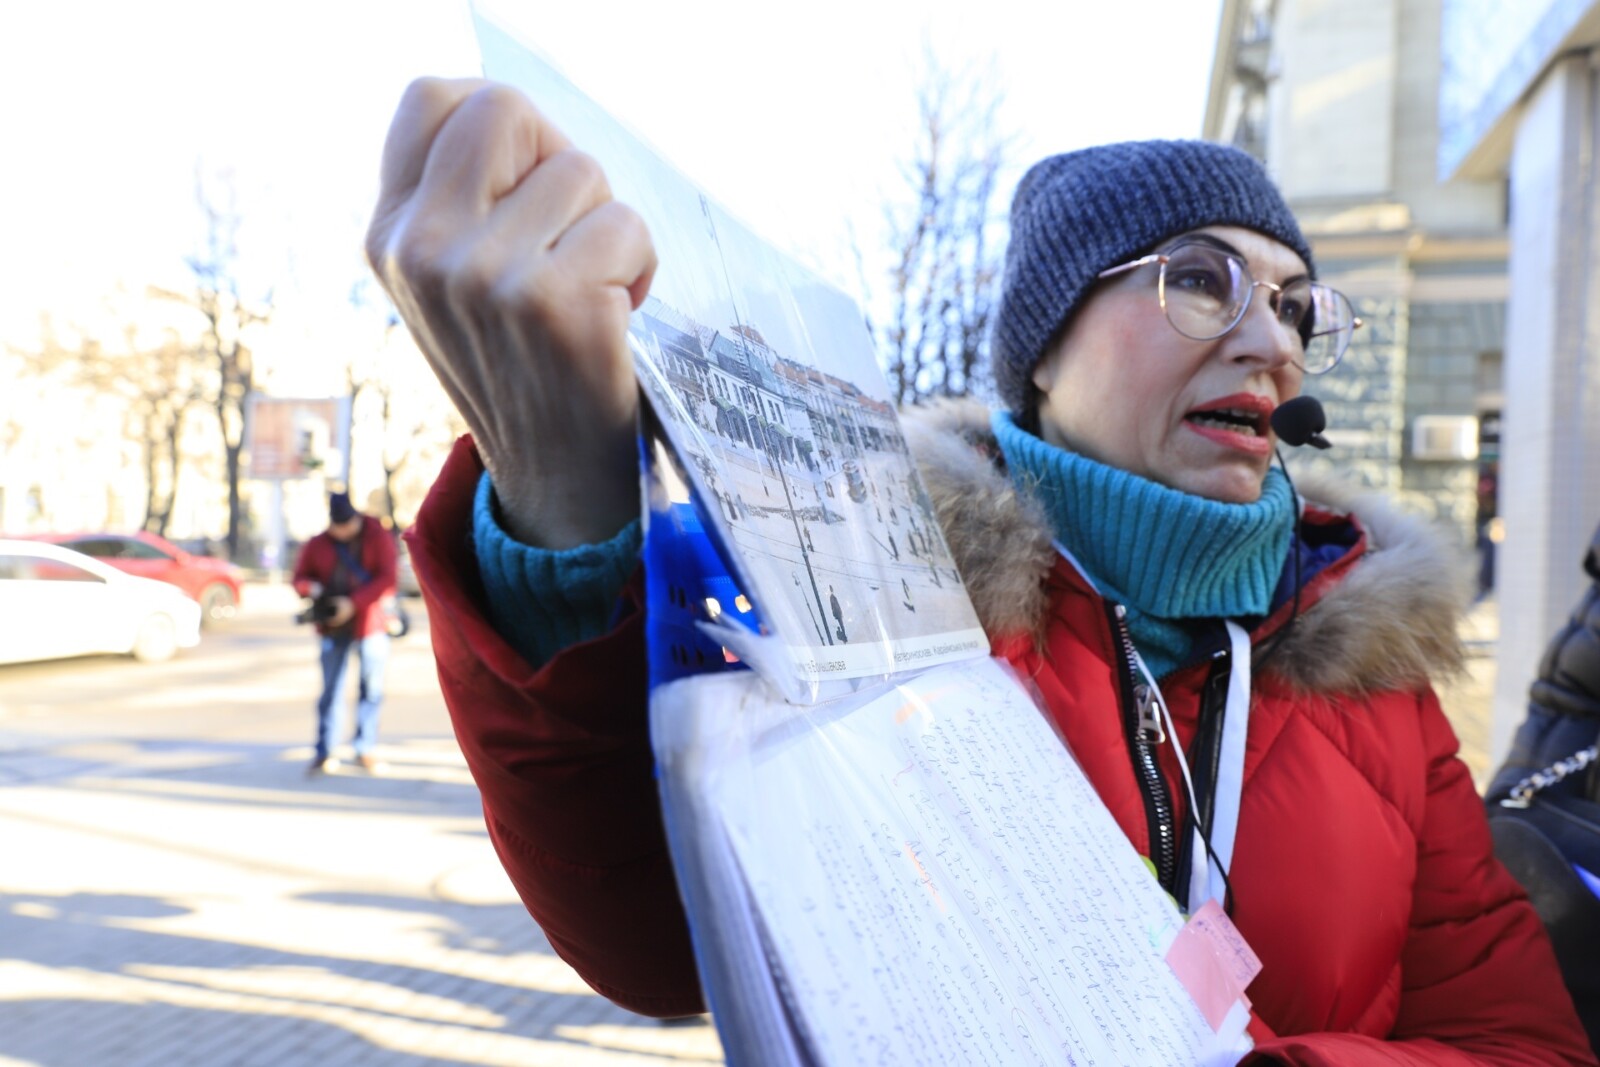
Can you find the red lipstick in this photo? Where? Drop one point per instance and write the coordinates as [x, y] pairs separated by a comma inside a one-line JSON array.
[[1238, 421]]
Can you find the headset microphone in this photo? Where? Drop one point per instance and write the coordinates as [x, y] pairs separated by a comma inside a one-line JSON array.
[[1296, 422], [1300, 422]]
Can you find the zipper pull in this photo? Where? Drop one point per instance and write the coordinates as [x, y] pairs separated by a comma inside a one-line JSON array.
[[1149, 715]]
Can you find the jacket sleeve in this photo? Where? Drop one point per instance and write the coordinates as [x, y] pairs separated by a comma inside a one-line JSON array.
[[304, 573], [1563, 699], [1479, 980], [1568, 682], [561, 755]]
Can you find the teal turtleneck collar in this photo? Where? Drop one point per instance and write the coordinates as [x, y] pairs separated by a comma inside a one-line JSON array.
[[1164, 554]]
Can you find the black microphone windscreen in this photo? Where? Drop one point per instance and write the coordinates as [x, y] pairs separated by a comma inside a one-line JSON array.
[[1299, 421]]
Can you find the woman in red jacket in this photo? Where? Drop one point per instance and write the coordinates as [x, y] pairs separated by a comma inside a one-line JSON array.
[[1117, 524]]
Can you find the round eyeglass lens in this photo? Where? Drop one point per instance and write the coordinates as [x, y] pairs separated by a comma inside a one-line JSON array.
[[1326, 330], [1203, 291]]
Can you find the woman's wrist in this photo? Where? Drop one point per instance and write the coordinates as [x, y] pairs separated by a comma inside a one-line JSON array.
[[542, 600], [581, 493]]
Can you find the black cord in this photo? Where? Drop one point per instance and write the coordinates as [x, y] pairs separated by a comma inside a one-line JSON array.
[[1294, 548], [1205, 839], [1211, 854]]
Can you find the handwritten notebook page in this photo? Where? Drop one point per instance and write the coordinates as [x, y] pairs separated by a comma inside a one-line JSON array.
[[935, 881]]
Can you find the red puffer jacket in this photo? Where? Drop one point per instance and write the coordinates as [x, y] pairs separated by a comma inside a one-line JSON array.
[[1362, 876], [374, 549]]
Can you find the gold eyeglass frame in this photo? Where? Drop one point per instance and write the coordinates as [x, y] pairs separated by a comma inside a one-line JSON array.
[[1356, 322]]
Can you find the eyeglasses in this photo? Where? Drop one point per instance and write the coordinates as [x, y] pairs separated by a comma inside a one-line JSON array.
[[1205, 292]]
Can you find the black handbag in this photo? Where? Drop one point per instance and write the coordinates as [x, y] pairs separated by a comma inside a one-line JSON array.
[[1547, 833]]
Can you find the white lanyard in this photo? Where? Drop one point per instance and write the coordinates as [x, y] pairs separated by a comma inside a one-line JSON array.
[[1206, 879], [1208, 867]]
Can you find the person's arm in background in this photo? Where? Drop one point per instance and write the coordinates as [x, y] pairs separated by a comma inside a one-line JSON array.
[[308, 579], [516, 273]]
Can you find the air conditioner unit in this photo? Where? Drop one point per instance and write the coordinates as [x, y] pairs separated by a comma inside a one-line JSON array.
[[1449, 437]]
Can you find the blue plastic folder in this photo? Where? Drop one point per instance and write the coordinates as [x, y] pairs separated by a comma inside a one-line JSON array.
[[685, 571]]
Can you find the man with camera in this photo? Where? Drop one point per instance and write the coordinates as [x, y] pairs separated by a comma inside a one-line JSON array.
[[347, 571]]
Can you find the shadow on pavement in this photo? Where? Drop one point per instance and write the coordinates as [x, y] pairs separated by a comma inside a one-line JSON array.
[[64, 1032], [95, 907], [493, 929], [248, 775], [176, 987]]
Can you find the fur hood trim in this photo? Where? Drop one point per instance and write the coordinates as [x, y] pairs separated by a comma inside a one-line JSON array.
[[1388, 622]]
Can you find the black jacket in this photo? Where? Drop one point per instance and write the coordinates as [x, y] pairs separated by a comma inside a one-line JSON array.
[[1564, 700]]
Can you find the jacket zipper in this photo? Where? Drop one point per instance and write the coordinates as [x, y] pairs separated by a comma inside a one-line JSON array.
[[1142, 718]]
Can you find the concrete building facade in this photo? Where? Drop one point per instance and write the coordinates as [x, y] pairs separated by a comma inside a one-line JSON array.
[[1340, 101], [1520, 102]]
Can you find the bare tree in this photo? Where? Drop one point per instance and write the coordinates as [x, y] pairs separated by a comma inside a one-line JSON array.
[[945, 242], [157, 385], [227, 317], [164, 387], [11, 431]]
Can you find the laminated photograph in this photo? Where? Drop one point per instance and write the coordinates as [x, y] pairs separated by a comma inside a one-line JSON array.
[[765, 380], [884, 850]]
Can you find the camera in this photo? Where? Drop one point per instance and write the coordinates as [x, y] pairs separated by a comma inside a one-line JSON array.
[[320, 609]]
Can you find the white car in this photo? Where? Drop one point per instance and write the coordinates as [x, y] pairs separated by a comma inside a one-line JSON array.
[[55, 602]]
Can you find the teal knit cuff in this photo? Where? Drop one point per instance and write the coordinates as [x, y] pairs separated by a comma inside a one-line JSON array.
[[542, 601]]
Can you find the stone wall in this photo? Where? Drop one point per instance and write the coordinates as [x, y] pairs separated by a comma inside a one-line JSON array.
[[1362, 397], [1449, 345]]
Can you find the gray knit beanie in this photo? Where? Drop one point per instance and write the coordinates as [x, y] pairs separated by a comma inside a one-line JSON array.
[[1079, 213]]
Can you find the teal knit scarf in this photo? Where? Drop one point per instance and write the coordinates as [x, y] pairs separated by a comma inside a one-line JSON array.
[[1164, 554]]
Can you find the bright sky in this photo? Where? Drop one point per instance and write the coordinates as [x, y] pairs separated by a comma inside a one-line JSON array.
[[794, 121]]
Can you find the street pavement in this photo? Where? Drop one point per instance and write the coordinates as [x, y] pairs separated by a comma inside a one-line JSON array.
[[1468, 700], [175, 891]]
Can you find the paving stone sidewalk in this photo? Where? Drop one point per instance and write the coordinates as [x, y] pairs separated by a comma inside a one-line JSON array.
[[175, 901], [350, 921], [1468, 700]]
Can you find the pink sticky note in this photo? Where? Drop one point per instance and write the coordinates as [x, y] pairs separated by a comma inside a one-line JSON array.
[[1210, 983], [1228, 943]]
